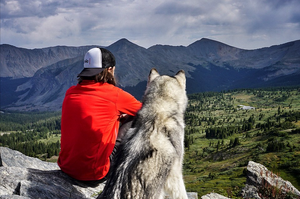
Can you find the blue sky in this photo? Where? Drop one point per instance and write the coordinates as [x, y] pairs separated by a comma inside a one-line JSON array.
[[247, 24]]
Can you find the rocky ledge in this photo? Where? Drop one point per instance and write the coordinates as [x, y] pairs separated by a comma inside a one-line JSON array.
[[26, 177]]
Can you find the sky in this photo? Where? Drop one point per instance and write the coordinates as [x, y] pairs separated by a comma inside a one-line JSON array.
[[246, 24]]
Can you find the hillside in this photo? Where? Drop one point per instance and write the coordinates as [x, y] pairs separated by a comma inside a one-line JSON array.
[[36, 80], [220, 137]]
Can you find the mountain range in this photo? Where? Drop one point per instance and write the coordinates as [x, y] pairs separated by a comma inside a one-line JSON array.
[[37, 79]]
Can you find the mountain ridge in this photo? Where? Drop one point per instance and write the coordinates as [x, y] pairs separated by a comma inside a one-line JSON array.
[[20, 62], [209, 65]]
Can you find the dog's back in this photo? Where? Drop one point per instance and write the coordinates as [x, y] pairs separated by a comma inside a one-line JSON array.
[[149, 161]]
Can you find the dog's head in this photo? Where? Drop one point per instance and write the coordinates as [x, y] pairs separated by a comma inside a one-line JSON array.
[[161, 88], [180, 77]]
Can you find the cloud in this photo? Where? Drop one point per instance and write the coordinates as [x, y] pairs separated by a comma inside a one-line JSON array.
[[28, 8], [245, 24]]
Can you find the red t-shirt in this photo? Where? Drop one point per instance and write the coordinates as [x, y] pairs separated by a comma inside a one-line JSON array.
[[89, 127]]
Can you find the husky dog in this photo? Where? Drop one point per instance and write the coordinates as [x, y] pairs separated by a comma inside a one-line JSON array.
[[149, 160]]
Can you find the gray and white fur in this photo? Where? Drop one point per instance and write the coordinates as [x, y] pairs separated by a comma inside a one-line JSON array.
[[149, 160]]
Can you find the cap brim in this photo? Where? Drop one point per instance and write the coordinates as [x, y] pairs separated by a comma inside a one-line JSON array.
[[89, 72]]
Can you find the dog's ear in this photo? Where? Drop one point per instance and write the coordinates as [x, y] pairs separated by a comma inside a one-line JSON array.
[[180, 76], [153, 74]]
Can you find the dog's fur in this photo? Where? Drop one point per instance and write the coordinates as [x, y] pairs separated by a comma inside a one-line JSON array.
[[149, 160]]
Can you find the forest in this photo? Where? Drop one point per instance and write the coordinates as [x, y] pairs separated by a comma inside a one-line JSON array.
[[220, 137], [33, 134]]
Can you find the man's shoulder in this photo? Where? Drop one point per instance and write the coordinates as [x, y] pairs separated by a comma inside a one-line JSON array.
[[70, 89]]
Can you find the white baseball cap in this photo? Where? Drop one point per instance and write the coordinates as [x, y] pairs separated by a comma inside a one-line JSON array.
[[95, 61]]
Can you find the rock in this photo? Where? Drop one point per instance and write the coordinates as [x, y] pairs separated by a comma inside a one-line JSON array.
[[23, 177], [250, 191], [192, 195], [14, 197], [213, 196], [259, 176], [12, 158], [26, 177]]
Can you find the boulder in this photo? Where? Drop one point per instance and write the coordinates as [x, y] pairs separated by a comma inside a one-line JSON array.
[[191, 195], [213, 196], [258, 177]]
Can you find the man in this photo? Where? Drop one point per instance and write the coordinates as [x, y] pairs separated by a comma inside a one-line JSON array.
[[91, 113]]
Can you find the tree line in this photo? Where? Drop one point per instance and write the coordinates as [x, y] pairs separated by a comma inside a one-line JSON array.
[[15, 121]]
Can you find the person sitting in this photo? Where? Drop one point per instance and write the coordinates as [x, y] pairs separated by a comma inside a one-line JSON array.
[[91, 113]]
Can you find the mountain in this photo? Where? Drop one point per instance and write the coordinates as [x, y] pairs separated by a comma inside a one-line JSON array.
[[36, 79], [20, 62], [133, 62]]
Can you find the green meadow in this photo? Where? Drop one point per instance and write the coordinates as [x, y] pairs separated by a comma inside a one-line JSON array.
[[221, 138]]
